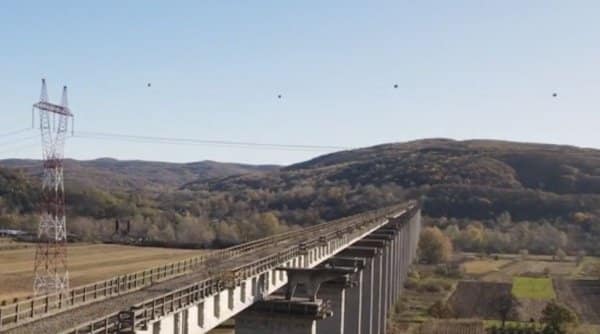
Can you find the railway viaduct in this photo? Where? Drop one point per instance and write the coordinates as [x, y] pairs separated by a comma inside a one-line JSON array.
[[338, 277]]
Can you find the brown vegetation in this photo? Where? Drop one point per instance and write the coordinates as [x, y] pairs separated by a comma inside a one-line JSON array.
[[87, 263], [434, 246]]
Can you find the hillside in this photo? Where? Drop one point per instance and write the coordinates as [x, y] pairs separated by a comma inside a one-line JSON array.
[[121, 175], [474, 178], [556, 188]]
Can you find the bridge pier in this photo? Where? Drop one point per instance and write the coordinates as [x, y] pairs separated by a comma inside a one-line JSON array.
[[389, 276], [360, 310], [276, 315], [380, 280], [342, 296], [334, 293]]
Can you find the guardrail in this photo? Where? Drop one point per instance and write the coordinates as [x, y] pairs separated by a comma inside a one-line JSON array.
[[185, 296]]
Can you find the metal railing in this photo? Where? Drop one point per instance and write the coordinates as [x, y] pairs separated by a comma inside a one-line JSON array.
[[176, 300]]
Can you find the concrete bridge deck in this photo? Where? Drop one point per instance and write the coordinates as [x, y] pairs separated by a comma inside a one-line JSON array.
[[213, 280]]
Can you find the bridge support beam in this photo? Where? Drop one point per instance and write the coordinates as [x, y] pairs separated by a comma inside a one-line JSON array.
[[311, 279]]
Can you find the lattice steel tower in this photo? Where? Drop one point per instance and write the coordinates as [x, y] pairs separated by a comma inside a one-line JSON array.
[[50, 266]]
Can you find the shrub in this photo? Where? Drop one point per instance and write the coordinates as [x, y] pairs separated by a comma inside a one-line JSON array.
[[441, 310]]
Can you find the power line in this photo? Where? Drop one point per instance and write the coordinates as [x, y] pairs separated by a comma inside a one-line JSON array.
[[19, 148], [191, 141], [15, 132], [18, 140], [158, 142], [7, 145]]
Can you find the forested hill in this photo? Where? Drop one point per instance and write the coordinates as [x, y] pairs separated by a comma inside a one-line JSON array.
[[107, 188], [123, 175], [475, 178], [553, 168]]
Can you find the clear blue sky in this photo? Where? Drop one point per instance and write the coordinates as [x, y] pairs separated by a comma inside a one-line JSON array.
[[464, 69]]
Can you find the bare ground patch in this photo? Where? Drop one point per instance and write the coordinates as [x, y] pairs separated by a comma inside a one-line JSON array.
[[475, 299]]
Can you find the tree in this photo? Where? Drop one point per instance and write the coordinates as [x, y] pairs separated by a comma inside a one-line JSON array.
[[556, 317], [269, 224], [560, 255], [434, 246], [195, 231], [227, 234], [506, 307], [472, 238]]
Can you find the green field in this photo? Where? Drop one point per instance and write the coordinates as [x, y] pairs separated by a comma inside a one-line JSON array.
[[533, 288]]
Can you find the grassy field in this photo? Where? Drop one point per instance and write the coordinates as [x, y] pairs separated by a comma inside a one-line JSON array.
[[533, 288], [484, 266], [87, 263]]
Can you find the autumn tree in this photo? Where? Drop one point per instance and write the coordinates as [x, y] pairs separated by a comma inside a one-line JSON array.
[[434, 246]]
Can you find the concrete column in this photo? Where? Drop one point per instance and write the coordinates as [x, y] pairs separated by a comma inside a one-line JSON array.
[[335, 295], [395, 268], [389, 235], [368, 297], [388, 280], [398, 255], [405, 252], [392, 275], [383, 302], [353, 308], [361, 315], [379, 281]]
